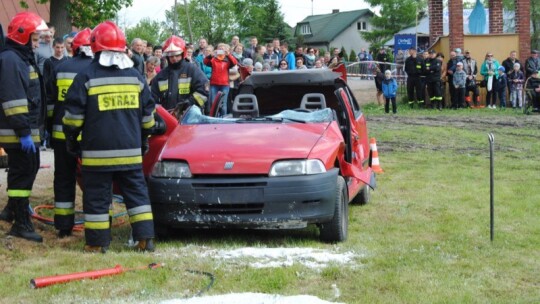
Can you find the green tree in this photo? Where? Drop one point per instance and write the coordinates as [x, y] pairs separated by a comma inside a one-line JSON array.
[[147, 29], [81, 13], [212, 19], [260, 18], [219, 20], [394, 16], [352, 56]]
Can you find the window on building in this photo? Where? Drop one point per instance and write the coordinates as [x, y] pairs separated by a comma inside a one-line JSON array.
[[305, 29], [361, 26]]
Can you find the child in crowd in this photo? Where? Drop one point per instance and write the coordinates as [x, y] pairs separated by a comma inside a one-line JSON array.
[[459, 80], [389, 89], [502, 83], [516, 78]]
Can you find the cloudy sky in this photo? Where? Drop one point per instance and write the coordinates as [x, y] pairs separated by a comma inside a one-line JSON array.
[[293, 10]]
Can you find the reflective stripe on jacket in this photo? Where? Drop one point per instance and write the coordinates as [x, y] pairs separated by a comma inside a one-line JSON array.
[[111, 107]]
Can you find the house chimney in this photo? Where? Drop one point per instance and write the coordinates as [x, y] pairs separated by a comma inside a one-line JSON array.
[[335, 11]]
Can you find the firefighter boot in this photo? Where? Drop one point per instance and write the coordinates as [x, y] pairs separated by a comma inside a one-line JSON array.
[[62, 233], [23, 227], [8, 214], [95, 249], [146, 245]]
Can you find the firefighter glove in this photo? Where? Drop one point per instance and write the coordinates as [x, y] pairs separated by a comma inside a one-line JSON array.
[[73, 147], [27, 144]]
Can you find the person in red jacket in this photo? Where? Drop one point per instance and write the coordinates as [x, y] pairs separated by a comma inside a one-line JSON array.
[[220, 62]]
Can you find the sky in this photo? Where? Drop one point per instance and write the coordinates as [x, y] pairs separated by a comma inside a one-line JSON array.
[[294, 10]]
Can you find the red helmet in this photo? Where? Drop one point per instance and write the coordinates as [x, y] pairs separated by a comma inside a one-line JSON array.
[[82, 38], [23, 25], [107, 36], [174, 46]]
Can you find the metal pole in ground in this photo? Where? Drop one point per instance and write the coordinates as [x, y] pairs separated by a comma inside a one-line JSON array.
[[491, 187]]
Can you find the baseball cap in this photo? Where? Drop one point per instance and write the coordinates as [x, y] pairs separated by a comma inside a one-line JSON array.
[[501, 68], [461, 64]]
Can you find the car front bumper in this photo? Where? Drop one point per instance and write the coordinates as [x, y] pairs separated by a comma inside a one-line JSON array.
[[248, 202]]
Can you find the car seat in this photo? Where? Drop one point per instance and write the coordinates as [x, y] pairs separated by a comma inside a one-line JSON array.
[[245, 106], [313, 101]]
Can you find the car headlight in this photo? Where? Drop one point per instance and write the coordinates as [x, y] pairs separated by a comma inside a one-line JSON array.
[[297, 167], [171, 169]]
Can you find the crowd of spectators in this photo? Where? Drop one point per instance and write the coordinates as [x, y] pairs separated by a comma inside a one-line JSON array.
[[503, 81]]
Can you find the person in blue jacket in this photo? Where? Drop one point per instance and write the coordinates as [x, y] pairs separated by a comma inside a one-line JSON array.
[[389, 88]]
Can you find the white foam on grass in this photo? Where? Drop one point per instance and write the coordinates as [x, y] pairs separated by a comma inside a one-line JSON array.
[[263, 257], [258, 257], [250, 298]]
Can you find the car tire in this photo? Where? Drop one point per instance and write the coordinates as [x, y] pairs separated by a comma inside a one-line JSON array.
[[363, 197], [162, 231], [336, 230]]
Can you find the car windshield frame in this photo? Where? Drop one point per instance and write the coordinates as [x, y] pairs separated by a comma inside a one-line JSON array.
[[194, 116]]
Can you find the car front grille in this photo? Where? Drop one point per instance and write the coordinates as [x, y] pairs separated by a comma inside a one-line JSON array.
[[227, 209]]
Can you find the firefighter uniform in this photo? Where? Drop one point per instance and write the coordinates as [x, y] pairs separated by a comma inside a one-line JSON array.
[[112, 107], [65, 164], [181, 83], [177, 85], [22, 114], [433, 79], [413, 68]]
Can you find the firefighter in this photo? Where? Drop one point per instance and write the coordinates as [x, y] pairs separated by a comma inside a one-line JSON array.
[[433, 79], [413, 68], [111, 106], [65, 164], [181, 83], [22, 114]]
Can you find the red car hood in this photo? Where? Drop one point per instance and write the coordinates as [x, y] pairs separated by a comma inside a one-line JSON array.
[[251, 147]]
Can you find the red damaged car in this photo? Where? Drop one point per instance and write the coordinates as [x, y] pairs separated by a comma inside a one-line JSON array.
[[294, 151]]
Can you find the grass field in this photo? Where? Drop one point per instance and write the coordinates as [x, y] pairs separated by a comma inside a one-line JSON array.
[[424, 237]]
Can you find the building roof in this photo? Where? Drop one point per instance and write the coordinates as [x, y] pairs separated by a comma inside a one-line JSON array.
[[325, 28], [9, 8]]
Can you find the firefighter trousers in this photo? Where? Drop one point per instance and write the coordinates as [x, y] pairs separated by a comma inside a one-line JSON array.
[[97, 197], [65, 183], [435, 95], [414, 83], [23, 168]]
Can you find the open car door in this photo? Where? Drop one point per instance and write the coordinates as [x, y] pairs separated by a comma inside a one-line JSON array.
[[355, 160]]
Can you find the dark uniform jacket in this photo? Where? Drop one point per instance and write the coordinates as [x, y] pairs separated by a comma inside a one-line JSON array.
[[111, 107], [433, 70], [413, 66], [22, 96], [57, 87], [178, 83]]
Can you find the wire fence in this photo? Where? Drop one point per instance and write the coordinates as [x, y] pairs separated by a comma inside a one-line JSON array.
[[366, 70]]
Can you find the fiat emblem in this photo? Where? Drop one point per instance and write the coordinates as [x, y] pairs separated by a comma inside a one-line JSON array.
[[229, 165]]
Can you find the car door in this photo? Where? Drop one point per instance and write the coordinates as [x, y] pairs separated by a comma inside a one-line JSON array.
[[352, 163]]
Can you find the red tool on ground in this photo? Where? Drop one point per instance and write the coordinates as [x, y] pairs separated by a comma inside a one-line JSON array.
[[94, 274]]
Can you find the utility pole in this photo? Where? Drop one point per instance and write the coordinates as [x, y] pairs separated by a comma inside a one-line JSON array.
[[188, 22], [175, 16]]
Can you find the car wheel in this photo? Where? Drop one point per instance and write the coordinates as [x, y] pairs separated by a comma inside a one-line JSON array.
[[162, 231], [337, 229], [363, 196]]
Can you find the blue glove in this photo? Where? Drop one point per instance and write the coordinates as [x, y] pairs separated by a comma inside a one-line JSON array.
[[27, 144]]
